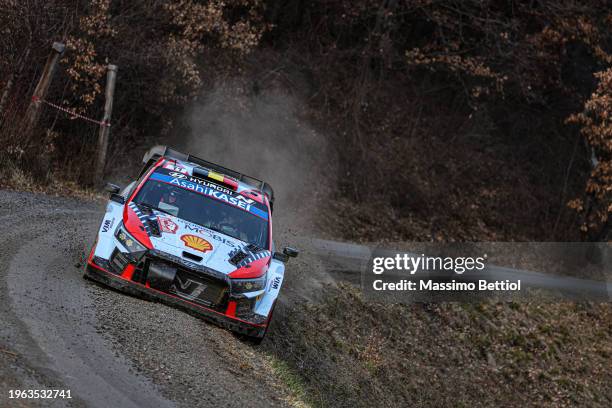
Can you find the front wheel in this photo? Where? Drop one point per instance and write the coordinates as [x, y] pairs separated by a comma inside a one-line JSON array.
[[256, 340]]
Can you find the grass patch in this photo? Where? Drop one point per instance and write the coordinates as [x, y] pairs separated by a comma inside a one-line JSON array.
[[12, 177], [344, 352], [292, 381]]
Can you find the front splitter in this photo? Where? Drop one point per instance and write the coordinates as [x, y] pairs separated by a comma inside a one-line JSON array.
[[99, 275]]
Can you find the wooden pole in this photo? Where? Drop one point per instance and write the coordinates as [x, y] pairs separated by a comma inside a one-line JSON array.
[[33, 112], [103, 136]]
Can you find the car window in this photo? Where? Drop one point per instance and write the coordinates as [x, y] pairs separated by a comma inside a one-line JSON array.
[[206, 211]]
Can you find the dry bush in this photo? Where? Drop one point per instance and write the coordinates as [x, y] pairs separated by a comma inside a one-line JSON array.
[[28, 30], [427, 100], [449, 116], [596, 127], [447, 354], [164, 52]]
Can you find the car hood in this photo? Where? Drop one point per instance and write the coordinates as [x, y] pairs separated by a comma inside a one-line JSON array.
[[198, 244]]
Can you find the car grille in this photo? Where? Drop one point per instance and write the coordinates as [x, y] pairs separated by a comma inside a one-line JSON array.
[[198, 288]]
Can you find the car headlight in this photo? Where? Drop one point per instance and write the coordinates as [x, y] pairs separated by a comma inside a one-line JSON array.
[[128, 241], [248, 285]]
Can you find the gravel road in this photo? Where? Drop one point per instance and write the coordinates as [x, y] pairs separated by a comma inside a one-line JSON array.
[[60, 331]]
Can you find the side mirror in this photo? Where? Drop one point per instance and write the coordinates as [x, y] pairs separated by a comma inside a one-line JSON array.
[[112, 188], [291, 252], [279, 256], [117, 198], [287, 253]]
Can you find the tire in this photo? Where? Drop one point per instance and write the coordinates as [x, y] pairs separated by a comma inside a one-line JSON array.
[[256, 340]]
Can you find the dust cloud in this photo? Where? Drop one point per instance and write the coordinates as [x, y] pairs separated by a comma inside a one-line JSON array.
[[262, 135]]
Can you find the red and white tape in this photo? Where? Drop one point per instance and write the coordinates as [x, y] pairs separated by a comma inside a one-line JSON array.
[[72, 113]]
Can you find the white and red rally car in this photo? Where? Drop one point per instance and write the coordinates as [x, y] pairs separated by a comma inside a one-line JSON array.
[[193, 234]]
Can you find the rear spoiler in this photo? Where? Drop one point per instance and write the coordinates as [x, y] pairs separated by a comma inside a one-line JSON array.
[[154, 154]]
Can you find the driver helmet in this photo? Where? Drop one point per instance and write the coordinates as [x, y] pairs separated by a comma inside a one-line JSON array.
[[172, 197]]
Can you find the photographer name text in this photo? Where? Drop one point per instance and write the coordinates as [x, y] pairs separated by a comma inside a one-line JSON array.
[[481, 285]]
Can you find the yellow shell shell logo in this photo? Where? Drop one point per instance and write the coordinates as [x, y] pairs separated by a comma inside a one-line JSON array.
[[197, 243]]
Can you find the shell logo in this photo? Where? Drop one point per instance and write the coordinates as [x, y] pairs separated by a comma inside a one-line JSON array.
[[197, 243]]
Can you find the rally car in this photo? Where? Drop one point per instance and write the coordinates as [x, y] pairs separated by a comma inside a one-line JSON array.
[[193, 234]]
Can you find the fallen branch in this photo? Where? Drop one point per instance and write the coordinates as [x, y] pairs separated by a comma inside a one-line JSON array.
[[8, 352]]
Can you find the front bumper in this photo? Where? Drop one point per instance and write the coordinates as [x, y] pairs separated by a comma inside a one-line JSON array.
[[118, 282]]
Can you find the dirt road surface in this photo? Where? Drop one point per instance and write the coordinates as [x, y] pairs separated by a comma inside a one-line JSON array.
[[59, 331]]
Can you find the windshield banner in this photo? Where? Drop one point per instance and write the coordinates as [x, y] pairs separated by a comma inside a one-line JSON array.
[[212, 190]]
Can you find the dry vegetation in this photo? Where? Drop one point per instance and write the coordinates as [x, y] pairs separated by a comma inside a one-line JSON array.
[[165, 52], [453, 120], [596, 121], [346, 352], [449, 118]]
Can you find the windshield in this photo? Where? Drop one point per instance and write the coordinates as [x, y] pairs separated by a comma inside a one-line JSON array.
[[205, 211]]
